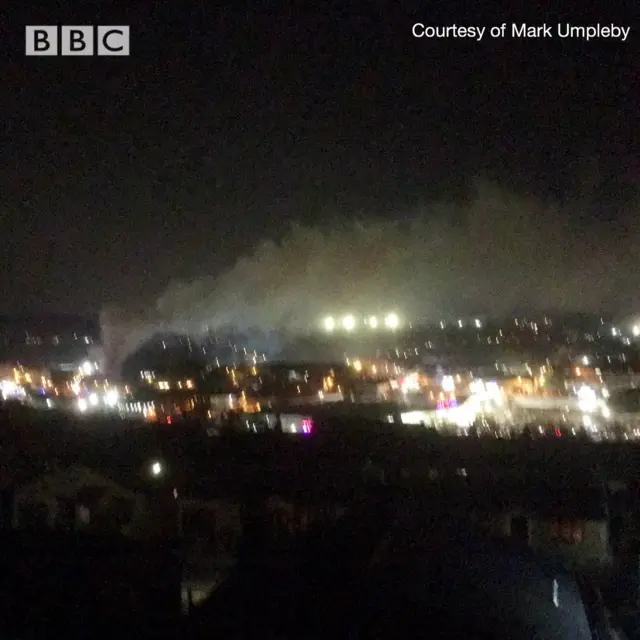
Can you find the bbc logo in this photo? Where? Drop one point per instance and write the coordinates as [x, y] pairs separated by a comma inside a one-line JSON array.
[[76, 41]]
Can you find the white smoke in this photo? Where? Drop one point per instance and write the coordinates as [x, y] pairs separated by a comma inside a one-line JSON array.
[[123, 331], [498, 252]]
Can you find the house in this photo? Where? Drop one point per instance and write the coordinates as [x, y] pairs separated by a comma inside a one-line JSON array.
[[573, 524], [569, 521], [294, 515], [79, 499]]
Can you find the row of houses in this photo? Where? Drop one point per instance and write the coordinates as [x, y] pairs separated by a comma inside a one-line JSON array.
[[208, 529], [126, 486], [570, 521]]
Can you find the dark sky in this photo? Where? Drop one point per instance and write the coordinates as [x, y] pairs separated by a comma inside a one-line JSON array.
[[119, 175]]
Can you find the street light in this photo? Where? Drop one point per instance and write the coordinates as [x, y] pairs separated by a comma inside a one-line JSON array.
[[156, 468], [392, 321], [349, 323], [111, 398], [448, 384], [329, 324]]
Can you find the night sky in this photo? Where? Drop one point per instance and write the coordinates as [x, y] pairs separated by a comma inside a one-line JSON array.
[[224, 125]]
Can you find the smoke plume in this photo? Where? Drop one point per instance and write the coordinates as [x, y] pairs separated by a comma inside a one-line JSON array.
[[492, 255]]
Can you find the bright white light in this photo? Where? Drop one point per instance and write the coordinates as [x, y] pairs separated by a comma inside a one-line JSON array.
[[587, 399], [94, 400], [410, 384], [349, 323], [329, 324], [477, 386], [86, 368], [111, 398], [636, 331], [464, 415], [156, 469], [392, 321], [8, 385], [606, 412], [415, 417], [373, 322], [493, 389], [448, 384], [585, 361], [588, 422], [83, 405], [614, 332], [478, 324], [8, 388]]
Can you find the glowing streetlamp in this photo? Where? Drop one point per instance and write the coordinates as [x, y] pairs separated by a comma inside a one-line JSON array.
[[329, 324], [156, 468], [349, 323], [392, 321]]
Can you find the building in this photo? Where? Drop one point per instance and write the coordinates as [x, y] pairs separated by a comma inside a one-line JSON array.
[[566, 522], [78, 499]]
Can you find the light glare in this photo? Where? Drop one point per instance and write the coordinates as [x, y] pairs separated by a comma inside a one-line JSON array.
[[448, 384], [349, 323], [111, 398], [392, 321]]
